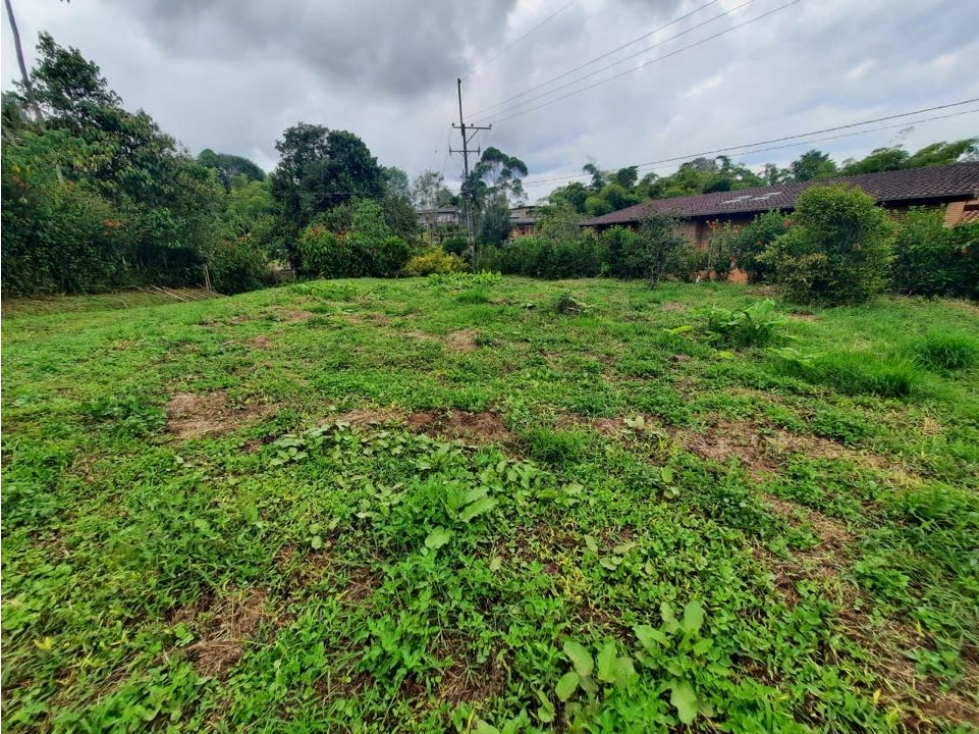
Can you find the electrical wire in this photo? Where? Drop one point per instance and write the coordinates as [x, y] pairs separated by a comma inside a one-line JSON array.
[[496, 121], [518, 40], [606, 55], [666, 162]]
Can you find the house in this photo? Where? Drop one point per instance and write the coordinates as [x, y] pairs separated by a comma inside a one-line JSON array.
[[431, 218], [955, 187], [523, 220]]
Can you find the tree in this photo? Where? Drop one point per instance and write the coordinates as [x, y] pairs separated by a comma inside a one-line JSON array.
[[598, 177], [812, 166], [501, 173], [493, 226], [395, 183], [428, 190], [837, 249], [941, 153], [229, 167], [25, 79], [572, 195], [772, 175], [659, 246], [320, 169], [880, 159]]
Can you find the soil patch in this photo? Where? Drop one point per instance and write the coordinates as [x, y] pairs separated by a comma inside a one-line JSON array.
[[484, 427], [290, 314], [725, 440], [366, 417], [260, 342], [225, 630], [463, 340], [192, 415]]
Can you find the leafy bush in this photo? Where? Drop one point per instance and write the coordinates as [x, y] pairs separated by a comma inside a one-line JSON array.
[[236, 266], [536, 257], [456, 245], [751, 241], [931, 259], [753, 326], [689, 264], [60, 238], [622, 252], [838, 249], [390, 257], [719, 253], [435, 261], [660, 246], [946, 350], [324, 254]]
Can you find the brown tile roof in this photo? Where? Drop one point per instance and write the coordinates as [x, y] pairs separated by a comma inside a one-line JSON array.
[[953, 181]]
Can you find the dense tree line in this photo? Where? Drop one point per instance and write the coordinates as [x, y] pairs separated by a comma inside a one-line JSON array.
[[610, 191]]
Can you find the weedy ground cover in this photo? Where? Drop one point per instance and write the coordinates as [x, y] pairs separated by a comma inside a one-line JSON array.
[[449, 505]]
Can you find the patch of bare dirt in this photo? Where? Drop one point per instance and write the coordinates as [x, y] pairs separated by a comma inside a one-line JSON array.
[[193, 415], [361, 583], [727, 439], [368, 416], [672, 307], [225, 632], [803, 317], [260, 342], [463, 340], [484, 427], [292, 314], [467, 681]]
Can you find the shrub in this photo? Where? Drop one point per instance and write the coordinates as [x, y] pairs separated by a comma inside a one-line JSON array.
[[236, 266], [622, 252], [435, 261], [753, 326], [751, 241], [931, 259], [720, 249], [689, 264], [536, 257], [390, 257], [946, 350], [324, 254], [838, 249], [456, 245], [660, 246]]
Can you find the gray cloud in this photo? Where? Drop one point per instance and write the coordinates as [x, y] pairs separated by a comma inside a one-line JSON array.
[[231, 75]]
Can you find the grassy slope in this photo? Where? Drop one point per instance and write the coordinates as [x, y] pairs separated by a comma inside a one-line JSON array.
[[186, 566]]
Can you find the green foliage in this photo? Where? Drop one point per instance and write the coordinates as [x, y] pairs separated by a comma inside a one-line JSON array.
[[812, 166], [493, 225], [660, 246], [435, 261], [750, 242], [756, 325], [231, 169], [690, 263], [236, 266], [946, 350], [536, 257], [838, 249], [859, 373], [215, 516], [622, 250], [931, 259], [557, 448]]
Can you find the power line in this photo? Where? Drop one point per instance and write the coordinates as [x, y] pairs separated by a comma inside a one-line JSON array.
[[648, 63], [599, 58], [518, 40], [624, 59], [663, 162]]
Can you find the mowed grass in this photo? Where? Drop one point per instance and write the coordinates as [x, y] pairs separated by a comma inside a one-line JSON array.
[[420, 506]]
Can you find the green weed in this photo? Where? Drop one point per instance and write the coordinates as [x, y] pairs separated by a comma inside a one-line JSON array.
[[946, 350]]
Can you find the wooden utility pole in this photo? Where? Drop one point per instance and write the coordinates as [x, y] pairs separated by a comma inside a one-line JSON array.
[[468, 132]]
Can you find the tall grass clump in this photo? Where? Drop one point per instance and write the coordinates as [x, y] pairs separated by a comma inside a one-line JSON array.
[[946, 351], [860, 373]]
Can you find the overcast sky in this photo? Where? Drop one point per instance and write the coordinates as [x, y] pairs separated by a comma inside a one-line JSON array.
[[233, 74]]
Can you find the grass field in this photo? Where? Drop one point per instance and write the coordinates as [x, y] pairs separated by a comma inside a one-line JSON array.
[[377, 506]]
